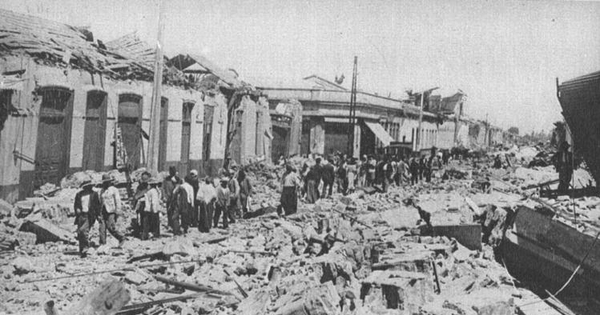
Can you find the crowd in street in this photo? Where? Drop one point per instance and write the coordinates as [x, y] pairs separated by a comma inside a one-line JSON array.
[[319, 175], [194, 202], [190, 202]]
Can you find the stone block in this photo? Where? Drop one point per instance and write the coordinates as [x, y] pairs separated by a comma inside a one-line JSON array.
[[468, 235]]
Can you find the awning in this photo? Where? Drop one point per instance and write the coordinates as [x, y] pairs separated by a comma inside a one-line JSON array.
[[380, 133]]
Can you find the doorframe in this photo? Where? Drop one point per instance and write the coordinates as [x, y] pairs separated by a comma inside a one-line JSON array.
[[68, 114], [103, 117]]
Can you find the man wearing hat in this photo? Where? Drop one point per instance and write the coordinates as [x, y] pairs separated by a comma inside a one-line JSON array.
[[195, 183], [563, 162], [139, 205], [222, 204], [150, 212], [205, 199], [110, 205], [85, 208], [234, 191]]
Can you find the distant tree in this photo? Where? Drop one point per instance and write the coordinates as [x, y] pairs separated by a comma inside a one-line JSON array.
[[514, 130]]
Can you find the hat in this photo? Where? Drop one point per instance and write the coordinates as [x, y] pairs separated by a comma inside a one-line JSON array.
[[194, 173], [86, 182], [107, 178], [225, 179]]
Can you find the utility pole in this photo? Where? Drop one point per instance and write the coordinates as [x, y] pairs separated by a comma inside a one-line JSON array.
[[153, 144], [352, 116]]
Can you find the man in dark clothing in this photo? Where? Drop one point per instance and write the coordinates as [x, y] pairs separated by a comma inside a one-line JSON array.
[[563, 162], [194, 181], [328, 178], [414, 170], [184, 202], [139, 204], [168, 187], [313, 181], [86, 205], [110, 207]]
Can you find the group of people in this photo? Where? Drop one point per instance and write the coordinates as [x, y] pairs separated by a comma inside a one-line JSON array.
[[191, 202], [318, 176]]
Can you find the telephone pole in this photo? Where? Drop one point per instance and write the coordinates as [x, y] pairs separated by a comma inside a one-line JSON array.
[[352, 116], [153, 144]]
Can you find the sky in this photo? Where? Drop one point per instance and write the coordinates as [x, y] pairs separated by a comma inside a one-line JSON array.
[[505, 55]]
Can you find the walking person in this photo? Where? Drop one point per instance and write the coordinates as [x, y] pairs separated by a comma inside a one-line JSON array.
[[313, 179], [139, 205], [362, 172], [342, 177], [234, 190], [153, 207], [206, 197], [85, 207], [290, 183], [351, 172], [110, 206], [245, 191], [222, 203], [168, 186], [328, 178], [414, 170], [403, 170], [184, 202], [194, 182], [371, 163]]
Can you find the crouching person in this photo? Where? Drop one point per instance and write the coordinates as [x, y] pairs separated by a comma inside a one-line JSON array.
[[86, 204]]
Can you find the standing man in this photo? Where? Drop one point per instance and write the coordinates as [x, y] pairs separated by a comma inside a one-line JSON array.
[[313, 181], [245, 190], [414, 170], [328, 178], [86, 205], [223, 200], [110, 206], [371, 163], [194, 182], [184, 202], [351, 172], [234, 190], [168, 187], [139, 205], [402, 170], [153, 207], [563, 162], [290, 182], [342, 176], [207, 195]]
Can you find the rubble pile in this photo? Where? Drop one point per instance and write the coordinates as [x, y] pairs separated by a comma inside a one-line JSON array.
[[423, 249]]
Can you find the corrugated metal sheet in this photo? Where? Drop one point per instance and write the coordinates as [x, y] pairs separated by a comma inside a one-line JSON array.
[[580, 101]]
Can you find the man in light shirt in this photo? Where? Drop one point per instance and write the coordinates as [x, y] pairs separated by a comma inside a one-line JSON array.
[[223, 200], [206, 197], [110, 206]]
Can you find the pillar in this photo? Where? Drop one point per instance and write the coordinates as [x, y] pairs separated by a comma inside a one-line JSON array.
[[317, 135]]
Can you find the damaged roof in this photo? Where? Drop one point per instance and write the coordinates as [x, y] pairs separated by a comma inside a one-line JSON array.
[[57, 43], [127, 57]]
